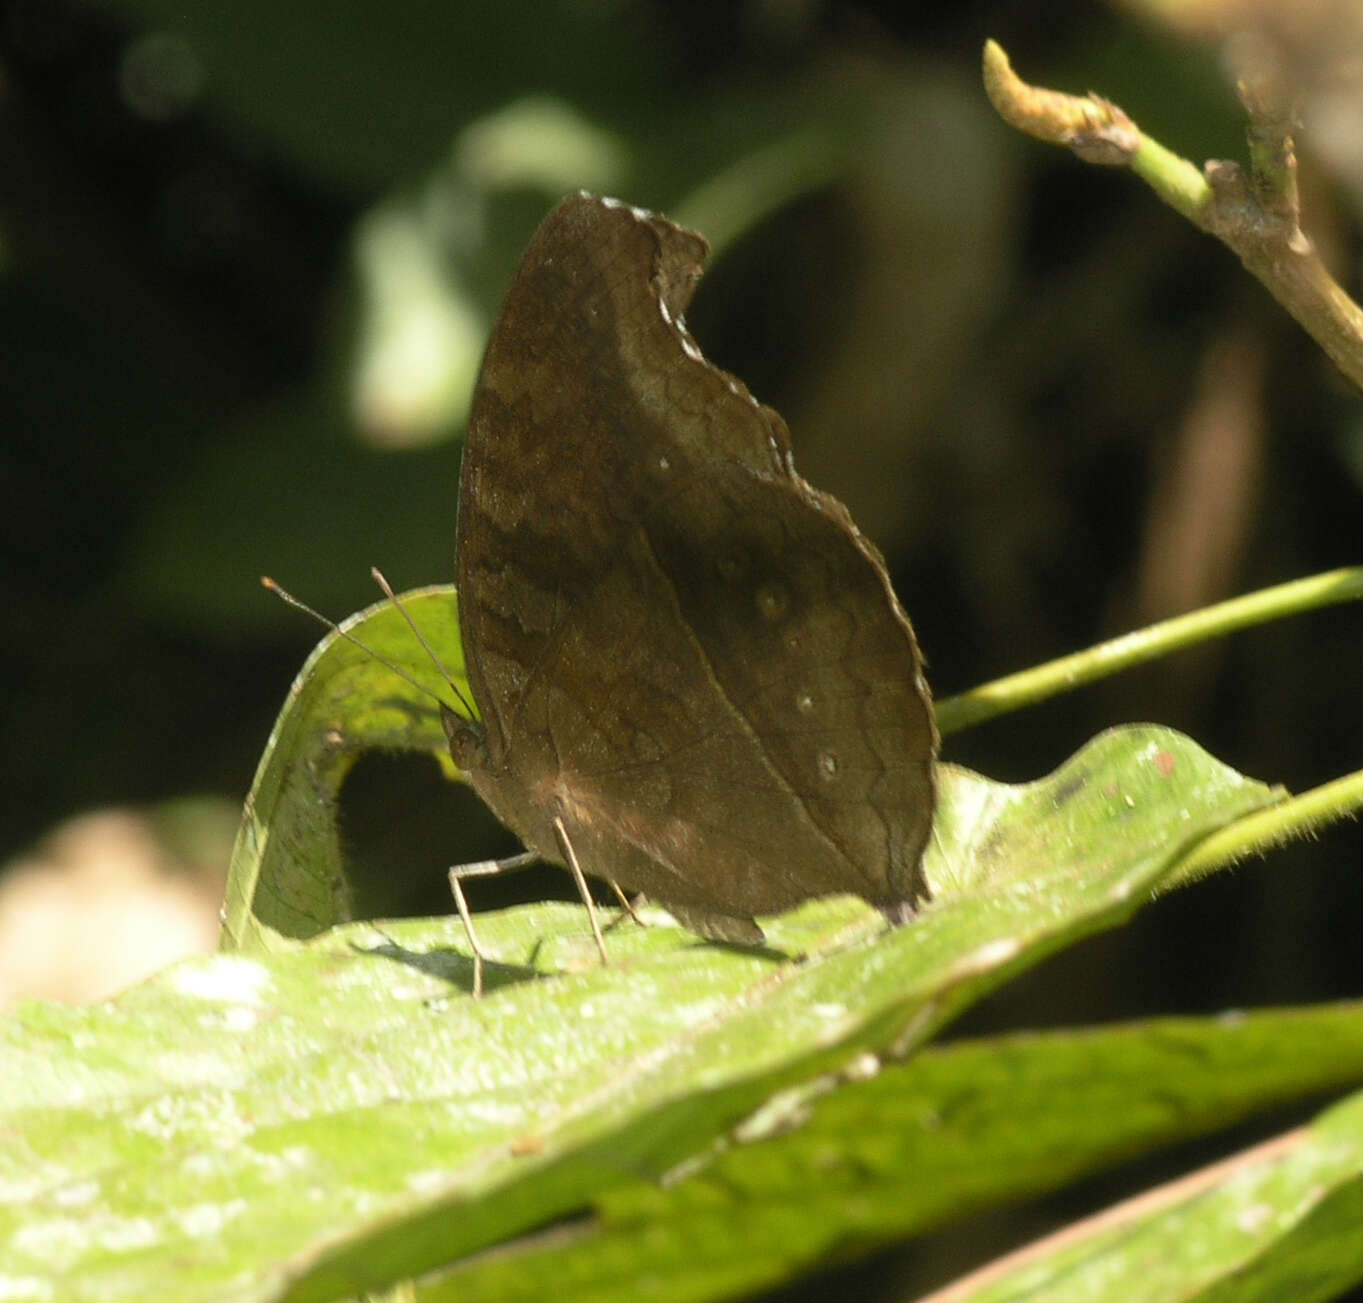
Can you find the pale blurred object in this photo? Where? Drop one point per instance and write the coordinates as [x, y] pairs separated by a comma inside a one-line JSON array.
[[1311, 49], [421, 328], [1205, 499], [930, 193], [111, 897], [419, 338]]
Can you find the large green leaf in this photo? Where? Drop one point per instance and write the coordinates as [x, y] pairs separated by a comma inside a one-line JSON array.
[[342, 1114], [288, 878], [1281, 1224], [916, 1144]]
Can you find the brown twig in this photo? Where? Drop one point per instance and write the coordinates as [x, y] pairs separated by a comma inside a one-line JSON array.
[[1255, 214]]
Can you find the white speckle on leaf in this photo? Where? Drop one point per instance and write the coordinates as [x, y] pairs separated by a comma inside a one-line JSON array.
[[204, 1219], [428, 1181], [990, 955], [25, 1288], [223, 977], [54, 1240], [239, 1018], [76, 1195], [1255, 1218], [201, 1164], [862, 1068]]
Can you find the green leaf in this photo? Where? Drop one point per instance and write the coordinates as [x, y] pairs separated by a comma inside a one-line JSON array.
[[1283, 1223], [341, 1114], [918, 1144], [288, 877]]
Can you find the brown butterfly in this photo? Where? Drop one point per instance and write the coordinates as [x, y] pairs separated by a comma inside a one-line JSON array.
[[693, 676]]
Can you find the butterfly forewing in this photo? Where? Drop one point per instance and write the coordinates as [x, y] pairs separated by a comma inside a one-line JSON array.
[[678, 647]]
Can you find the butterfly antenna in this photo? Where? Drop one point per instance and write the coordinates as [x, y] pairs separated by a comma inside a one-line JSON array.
[[421, 638], [284, 595]]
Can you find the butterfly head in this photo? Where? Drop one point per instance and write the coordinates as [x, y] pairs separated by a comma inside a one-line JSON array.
[[467, 738]]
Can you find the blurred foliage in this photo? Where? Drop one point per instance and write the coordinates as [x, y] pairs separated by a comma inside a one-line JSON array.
[[248, 251]]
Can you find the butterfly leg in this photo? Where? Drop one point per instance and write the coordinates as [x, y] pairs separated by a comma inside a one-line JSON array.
[[566, 846], [481, 869], [626, 904]]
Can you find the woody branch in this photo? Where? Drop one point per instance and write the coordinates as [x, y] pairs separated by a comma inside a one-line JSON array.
[[1255, 213]]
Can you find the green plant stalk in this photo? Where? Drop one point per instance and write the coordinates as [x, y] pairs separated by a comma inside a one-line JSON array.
[[1028, 687], [753, 187], [1177, 181], [1259, 832]]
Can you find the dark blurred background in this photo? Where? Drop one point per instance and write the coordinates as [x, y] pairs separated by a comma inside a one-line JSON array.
[[248, 255]]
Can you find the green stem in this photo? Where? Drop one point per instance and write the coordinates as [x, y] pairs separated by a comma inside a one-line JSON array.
[[1035, 685], [1264, 829], [1171, 176]]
